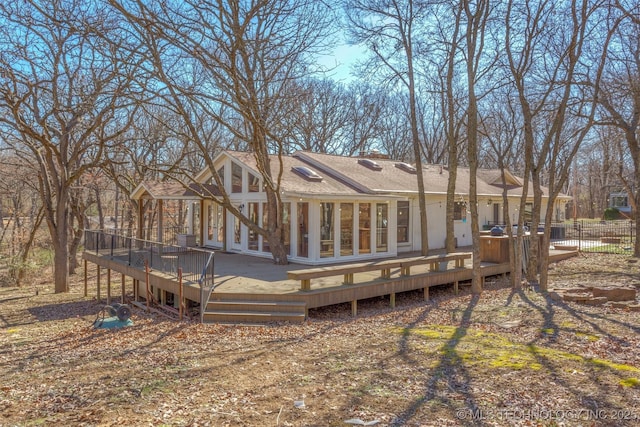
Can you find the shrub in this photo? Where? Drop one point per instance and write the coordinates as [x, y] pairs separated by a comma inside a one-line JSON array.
[[611, 214]]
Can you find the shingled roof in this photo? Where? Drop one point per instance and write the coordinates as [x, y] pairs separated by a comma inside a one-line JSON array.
[[173, 190]]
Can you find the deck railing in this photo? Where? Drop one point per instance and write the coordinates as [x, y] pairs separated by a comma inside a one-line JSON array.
[[595, 236], [197, 265], [167, 235], [615, 236]]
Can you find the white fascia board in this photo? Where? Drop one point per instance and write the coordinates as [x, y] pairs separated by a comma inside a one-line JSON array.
[[205, 173], [137, 193], [350, 197]]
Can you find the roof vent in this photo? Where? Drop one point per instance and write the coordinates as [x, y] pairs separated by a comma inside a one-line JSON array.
[[406, 167], [371, 164], [307, 173]]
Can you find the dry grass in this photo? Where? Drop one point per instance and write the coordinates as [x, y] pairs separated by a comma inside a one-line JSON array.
[[511, 358]]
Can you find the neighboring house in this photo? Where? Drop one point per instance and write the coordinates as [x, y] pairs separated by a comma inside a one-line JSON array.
[[620, 201], [344, 208]]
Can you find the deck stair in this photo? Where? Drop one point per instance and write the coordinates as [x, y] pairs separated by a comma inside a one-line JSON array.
[[240, 311]]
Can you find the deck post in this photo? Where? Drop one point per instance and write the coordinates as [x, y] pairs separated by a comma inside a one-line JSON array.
[[160, 236], [146, 278], [455, 287], [426, 293], [180, 297], [98, 297], [85, 277], [354, 307], [123, 291], [392, 299], [108, 286]]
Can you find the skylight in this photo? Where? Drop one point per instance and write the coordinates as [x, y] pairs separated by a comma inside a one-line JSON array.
[[406, 167], [306, 173], [370, 164]]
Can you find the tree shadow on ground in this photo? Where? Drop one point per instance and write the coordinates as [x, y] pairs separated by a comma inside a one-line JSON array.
[[449, 371], [65, 310]]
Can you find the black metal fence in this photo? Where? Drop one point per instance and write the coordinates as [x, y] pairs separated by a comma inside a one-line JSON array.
[[594, 236], [167, 235], [197, 265]]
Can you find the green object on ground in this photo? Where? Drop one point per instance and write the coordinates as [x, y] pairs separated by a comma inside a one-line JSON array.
[[111, 323]]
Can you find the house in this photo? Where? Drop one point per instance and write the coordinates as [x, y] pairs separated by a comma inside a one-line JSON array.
[[620, 201], [340, 209]]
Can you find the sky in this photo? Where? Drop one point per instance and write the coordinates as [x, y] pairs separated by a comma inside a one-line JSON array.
[[341, 61]]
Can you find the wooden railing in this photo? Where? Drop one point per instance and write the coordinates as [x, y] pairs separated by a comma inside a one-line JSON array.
[[348, 270]]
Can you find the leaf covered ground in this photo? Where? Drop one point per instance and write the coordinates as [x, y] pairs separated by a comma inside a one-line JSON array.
[[504, 358]]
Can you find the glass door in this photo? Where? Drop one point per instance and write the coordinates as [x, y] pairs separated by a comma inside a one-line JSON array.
[[214, 232]]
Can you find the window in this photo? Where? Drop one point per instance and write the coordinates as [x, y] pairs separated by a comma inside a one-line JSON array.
[[221, 175], [236, 178], [237, 231], [528, 212], [254, 183], [364, 228], [253, 236], [382, 222], [346, 229], [215, 229], [265, 225], [303, 229], [619, 201], [220, 222], [403, 222], [286, 226], [460, 211], [326, 230], [211, 227]]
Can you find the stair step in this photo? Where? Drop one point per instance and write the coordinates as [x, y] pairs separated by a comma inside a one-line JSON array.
[[258, 306], [251, 316]]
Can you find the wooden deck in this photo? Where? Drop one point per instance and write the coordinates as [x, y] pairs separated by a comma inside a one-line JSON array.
[[254, 290]]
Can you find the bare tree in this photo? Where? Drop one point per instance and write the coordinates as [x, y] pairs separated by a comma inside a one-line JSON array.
[[390, 29], [619, 99], [500, 128], [395, 131], [448, 42], [18, 189], [557, 113], [319, 122], [234, 63], [365, 112], [602, 164], [61, 100], [476, 16]]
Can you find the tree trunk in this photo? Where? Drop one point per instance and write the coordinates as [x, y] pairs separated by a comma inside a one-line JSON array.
[[452, 136], [532, 264], [274, 228], [415, 139], [58, 223], [77, 233], [474, 31], [636, 215], [26, 249]]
